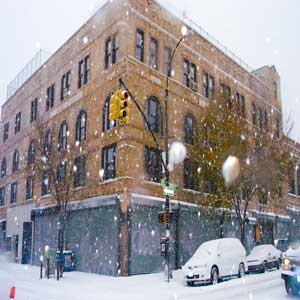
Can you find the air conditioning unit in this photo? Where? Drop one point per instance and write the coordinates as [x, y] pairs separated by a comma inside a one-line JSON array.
[[194, 86]]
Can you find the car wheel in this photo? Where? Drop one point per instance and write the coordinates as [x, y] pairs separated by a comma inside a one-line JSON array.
[[242, 271], [214, 276], [265, 267], [290, 289], [190, 283]]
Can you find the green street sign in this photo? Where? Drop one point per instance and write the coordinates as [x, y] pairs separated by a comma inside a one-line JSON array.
[[172, 186]]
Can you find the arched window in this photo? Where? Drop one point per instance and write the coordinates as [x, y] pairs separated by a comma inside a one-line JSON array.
[[47, 145], [154, 115], [106, 123], [3, 167], [81, 126], [189, 129], [253, 114], [31, 153], [15, 165], [63, 136]]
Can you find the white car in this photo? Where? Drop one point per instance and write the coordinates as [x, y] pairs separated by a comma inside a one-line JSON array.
[[215, 260], [264, 257]]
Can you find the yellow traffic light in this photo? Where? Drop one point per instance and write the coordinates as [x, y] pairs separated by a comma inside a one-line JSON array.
[[114, 108], [125, 103]]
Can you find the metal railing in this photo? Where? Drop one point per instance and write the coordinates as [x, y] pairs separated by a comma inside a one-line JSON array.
[[216, 43], [35, 63]]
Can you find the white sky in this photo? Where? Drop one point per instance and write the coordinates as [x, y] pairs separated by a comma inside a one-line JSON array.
[[261, 32]]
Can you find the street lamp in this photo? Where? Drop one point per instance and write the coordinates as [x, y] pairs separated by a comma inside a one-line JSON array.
[[185, 33]]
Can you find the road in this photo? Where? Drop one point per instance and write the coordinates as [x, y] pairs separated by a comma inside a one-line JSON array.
[[83, 286]]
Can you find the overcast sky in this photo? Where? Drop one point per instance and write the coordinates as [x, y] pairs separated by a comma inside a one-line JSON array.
[[261, 32]]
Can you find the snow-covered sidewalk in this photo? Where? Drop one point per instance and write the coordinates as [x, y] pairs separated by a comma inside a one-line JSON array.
[[83, 286]]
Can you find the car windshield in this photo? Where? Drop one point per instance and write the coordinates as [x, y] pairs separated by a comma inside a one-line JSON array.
[[261, 249], [209, 247]]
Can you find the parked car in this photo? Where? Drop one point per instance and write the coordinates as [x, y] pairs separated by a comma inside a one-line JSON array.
[[216, 260], [291, 270], [264, 257]]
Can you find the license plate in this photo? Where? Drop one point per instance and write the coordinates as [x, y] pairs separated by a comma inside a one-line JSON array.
[[298, 278]]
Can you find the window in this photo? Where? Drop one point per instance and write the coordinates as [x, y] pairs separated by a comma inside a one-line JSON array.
[[228, 96], [63, 136], [186, 73], [47, 145], [15, 164], [79, 171], [2, 196], [81, 126], [61, 172], [33, 110], [3, 167], [153, 53], [298, 180], [238, 104], [292, 189], [31, 153], [45, 184], [153, 166], [211, 84], [277, 128], [266, 122], [263, 197], [222, 88], [253, 114], [65, 85], [83, 71], [243, 107], [154, 115], [13, 193], [139, 48], [205, 85], [193, 76], [18, 122], [167, 61], [260, 118], [210, 187], [111, 51], [190, 179], [29, 188], [106, 122], [50, 97], [109, 161], [189, 129], [5, 131]]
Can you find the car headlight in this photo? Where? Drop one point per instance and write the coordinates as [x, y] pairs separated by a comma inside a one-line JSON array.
[[286, 264]]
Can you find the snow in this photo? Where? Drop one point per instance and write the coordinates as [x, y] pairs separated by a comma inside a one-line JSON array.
[[231, 169], [80, 286], [178, 152]]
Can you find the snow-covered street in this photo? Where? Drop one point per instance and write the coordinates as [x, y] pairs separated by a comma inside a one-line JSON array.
[[83, 286]]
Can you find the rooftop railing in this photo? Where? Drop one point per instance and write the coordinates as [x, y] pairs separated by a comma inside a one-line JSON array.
[[35, 63]]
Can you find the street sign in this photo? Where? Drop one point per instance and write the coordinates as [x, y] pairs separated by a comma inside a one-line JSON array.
[[172, 186], [168, 191]]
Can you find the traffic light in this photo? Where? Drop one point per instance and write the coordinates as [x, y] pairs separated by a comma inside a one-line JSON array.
[[125, 103], [114, 107]]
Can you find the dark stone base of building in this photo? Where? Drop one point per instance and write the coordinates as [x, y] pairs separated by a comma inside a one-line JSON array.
[[107, 241]]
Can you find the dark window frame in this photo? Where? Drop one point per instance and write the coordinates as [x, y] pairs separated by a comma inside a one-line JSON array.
[[254, 114], [109, 165], [3, 167], [2, 196], [107, 124], [83, 71], [13, 192], [63, 136], [31, 153], [18, 119], [45, 188], [5, 132], [190, 178], [167, 61], [189, 131], [81, 126], [139, 45], [65, 85], [80, 173], [153, 167], [154, 53], [50, 97], [29, 188], [154, 117], [186, 73], [205, 82], [47, 143], [15, 161], [33, 110]]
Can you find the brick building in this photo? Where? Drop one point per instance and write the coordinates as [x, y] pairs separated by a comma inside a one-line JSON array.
[[112, 225]]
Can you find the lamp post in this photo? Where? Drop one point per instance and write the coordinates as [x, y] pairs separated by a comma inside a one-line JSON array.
[[168, 271]]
